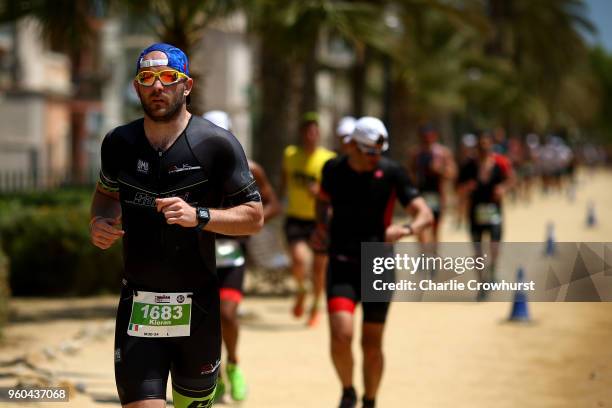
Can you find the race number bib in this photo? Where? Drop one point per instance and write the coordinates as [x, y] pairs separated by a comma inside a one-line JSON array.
[[488, 214], [432, 199], [160, 315], [228, 253]]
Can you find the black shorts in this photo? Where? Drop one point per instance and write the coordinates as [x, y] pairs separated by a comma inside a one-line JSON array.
[[437, 214], [142, 364], [297, 229], [231, 280], [344, 291], [494, 231], [478, 230]]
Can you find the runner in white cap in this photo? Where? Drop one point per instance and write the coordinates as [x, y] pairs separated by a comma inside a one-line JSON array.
[[345, 128], [354, 205]]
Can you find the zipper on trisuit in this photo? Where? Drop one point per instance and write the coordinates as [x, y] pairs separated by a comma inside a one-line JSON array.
[[162, 234]]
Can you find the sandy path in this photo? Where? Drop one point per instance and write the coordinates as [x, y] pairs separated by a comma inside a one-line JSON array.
[[437, 354]]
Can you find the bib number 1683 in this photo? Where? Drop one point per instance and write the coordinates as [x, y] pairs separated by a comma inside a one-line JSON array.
[[156, 312]]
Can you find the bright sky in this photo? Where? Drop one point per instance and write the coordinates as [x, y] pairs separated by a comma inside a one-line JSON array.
[[600, 13]]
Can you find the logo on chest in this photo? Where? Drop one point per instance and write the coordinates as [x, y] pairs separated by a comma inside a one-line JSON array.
[[182, 168], [142, 166]]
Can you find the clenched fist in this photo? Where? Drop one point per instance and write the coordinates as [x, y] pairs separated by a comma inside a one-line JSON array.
[[396, 232], [177, 211], [103, 231]]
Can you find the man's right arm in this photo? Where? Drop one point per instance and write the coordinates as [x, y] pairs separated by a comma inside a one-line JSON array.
[[105, 205], [105, 215], [271, 205]]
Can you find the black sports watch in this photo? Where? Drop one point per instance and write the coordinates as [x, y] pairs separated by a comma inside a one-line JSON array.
[[202, 216]]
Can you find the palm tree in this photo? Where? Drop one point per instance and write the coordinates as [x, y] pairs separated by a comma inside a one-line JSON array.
[[288, 38], [601, 65], [543, 41], [435, 42]]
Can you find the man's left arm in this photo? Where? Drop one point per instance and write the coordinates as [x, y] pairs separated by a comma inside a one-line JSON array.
[[242, 219], [422, 218], [243, 212], [414, 205]]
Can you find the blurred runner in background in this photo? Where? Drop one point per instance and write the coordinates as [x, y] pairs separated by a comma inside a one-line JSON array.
[[467, 151], [302, 165], [431, 165], [355, 205], [231, 264], [483, 182]]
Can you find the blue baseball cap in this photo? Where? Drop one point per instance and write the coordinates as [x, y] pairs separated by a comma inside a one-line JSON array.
[[175, 58]]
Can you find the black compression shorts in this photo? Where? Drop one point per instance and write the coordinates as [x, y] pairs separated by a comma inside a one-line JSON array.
[[477, 232], [344, 291], [297, 229], [231, 280], [142, 364]]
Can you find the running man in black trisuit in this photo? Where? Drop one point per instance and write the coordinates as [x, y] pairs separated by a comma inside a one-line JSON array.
[[483, 182], [430, 165], [172, 180], [359, 191]]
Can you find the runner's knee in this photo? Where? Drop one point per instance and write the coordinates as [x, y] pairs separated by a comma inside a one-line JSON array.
[[371, 345], [195, 394], [228, 312], [372, 353], [341, 334], [341, 338]]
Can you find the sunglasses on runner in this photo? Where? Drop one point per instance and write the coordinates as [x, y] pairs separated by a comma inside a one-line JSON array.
[[369, 150], [166, 77]]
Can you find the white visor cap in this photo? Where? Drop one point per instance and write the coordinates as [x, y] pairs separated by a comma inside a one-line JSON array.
[[469, 140], [219, 118], [369, 130], [346, 125]]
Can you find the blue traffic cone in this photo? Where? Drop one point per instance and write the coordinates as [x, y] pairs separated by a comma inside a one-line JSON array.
[[550, 239], [591, 218], [520, 312]]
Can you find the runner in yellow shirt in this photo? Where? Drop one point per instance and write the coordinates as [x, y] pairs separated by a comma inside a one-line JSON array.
[[302, 167]]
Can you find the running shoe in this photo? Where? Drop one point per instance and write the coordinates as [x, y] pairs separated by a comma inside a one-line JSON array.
[[349, 398], [237, 382], [220, 390], [368, 403]]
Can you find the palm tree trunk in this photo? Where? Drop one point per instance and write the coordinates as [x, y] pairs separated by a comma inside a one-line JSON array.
[[308, 99], [402, 121], [274, 128], [359, 80]]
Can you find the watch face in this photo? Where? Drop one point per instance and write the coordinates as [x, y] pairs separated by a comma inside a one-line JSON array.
[[202, 213]]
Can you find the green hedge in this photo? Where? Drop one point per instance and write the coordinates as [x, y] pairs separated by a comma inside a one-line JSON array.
[[53, 198], [46, 238]]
